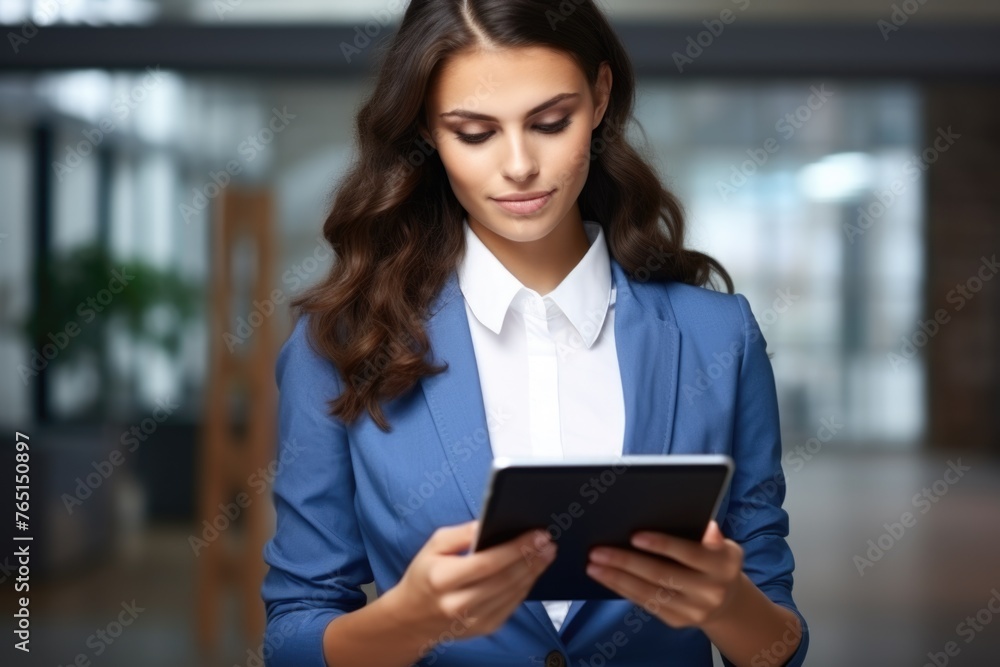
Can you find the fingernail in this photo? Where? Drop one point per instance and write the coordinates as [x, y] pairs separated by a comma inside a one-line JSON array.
[[641, 540], [600, 556]]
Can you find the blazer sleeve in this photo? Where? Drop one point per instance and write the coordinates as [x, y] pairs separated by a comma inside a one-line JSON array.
[[755, 518], [316, 557]]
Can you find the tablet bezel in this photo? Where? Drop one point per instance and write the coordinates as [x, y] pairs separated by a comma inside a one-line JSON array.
[[502, 463]]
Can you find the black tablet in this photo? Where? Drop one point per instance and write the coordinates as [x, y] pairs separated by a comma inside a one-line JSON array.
[[588, 502]]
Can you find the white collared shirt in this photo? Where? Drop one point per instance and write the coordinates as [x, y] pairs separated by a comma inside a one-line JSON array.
[[548, 363]]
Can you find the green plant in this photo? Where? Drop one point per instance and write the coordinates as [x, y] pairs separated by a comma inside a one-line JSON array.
[[85, 291]]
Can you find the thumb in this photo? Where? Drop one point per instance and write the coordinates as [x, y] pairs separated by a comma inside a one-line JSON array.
[[713, 535], [453, 539]]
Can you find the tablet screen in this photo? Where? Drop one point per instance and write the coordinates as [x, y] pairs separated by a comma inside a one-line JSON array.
[[585, 503]]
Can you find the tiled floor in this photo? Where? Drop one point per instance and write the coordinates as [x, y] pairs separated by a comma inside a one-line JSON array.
[[910, 602], [943, 567]]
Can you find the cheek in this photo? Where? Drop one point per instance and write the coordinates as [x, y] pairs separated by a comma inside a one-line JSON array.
[[571, 159], [466, 172]]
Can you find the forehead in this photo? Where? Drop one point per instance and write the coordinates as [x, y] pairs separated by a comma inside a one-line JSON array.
[[503, 83]]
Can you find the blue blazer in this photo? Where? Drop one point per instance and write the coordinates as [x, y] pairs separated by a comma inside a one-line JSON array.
[[354, 504]]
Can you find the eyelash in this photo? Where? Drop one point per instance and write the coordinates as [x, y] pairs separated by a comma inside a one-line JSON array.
[[545, 129]]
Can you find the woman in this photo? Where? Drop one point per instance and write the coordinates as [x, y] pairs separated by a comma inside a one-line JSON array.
[[497, 220]]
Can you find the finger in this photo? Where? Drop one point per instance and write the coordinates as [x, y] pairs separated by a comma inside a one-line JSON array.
[[695, 555], [534, 544], [713, 535], [480, 565], [504, 591], [523, 586], [517, 580], [670, 605], [481, 603], [697, 588], [653, 568], [520, 574], [495, 610]]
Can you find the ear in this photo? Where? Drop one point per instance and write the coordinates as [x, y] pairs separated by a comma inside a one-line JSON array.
[[602, 92], [425, 133]]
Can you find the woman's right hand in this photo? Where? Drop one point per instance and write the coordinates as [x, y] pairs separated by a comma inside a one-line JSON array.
[[446, 594]]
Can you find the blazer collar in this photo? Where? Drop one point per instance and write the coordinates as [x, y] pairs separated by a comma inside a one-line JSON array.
[[648, 346]]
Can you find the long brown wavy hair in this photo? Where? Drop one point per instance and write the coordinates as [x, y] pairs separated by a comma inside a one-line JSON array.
[[395, 225]]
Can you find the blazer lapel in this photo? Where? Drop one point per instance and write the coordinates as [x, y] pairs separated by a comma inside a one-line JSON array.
[[455, 400], [455, 397], [648, 361], [648, 348]]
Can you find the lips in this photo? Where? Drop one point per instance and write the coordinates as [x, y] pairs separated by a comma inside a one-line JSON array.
[[524, 204], [524, 196]]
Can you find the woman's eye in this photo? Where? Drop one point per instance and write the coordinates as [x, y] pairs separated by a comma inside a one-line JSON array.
[[544, 129], [474, 138], [555, 128]]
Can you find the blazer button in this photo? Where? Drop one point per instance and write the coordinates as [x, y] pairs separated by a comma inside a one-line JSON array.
[[555, 659]]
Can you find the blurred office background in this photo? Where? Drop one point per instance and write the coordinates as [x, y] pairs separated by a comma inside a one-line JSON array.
[[840, 159]]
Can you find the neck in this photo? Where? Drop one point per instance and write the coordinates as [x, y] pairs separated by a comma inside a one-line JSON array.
[[542, 264]]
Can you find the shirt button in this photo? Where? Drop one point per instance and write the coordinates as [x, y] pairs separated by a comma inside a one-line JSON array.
[[555, 659]]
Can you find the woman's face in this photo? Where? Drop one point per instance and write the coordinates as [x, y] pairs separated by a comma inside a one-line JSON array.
[[516, 122]]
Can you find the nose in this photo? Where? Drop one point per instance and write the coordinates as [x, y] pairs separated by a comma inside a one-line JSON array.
[[519, 162]]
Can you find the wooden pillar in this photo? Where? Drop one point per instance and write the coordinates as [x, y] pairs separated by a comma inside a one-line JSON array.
[[963, 214], [239, 429]]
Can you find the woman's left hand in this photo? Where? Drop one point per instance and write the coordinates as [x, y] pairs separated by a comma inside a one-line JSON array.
[[695, 590]]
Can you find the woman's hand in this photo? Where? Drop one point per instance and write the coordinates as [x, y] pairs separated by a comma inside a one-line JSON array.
[[695, 590], [445, 594]]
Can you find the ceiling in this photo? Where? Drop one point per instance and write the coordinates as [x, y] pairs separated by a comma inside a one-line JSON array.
[[696, 10]]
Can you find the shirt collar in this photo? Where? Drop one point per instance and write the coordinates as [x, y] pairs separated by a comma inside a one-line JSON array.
[[583, 296]]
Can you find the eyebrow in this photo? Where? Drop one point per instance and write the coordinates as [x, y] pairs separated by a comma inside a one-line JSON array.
[[462, 113]]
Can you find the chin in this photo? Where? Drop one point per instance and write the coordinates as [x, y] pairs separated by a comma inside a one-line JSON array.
[[518, 229]]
